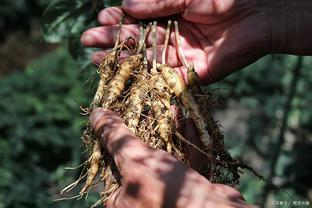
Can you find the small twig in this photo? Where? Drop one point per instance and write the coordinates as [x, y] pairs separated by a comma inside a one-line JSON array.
[[179, 45], [73, 168], [66, 198], [119, 31], [164, 53], [99, 202], [72, 185], [104, 199], [145, 61], [154, 69], [143, 36], [118, 41]]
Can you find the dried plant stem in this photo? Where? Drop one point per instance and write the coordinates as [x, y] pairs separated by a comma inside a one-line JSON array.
[[145, 61], [179, 45], [66, 198], [73, 168], [141, 39], [154, 33], [143, 36], [164, 53], [72, 185]]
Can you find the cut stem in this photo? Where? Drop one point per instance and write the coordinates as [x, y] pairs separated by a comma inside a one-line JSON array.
[[179, 45]]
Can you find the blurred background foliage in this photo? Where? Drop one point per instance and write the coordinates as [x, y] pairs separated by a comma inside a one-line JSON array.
[[265, 110]]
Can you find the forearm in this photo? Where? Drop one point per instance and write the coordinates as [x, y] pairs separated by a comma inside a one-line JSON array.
[[291, 22]]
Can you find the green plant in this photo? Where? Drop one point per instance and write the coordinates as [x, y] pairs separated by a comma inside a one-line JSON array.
[[66, 20], [40, 131]]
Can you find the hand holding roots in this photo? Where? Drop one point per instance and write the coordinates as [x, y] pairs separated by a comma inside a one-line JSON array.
[[142, 94]]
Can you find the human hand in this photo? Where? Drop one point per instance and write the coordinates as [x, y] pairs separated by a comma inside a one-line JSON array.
[[218, 36], [153, 178]]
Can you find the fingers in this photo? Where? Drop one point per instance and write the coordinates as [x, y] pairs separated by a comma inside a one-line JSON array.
[[113, 15], [105, 36], [172, 58], [116, 138], [143, 9], [98, 56]]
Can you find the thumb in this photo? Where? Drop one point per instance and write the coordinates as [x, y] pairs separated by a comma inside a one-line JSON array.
[[143, 9], [117, 139]]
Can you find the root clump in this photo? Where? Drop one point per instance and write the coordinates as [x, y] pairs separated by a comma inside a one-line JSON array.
[[142, 95]]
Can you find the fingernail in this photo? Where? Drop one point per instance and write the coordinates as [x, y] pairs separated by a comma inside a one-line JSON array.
[[86, 39], [96, 57]]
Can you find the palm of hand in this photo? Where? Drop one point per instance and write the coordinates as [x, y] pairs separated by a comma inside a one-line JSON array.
[[219, 49], [217, 44]]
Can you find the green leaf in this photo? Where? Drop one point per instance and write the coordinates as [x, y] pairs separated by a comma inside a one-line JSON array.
[[109, 3], [66, 18]]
